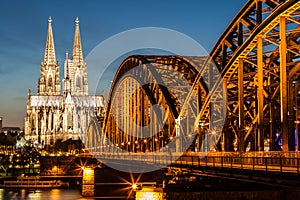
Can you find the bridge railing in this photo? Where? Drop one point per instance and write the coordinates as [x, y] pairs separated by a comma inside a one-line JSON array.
[[279, 163], [262, 161]]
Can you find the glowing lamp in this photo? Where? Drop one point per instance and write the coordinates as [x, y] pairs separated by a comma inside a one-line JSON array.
[[134, 186]]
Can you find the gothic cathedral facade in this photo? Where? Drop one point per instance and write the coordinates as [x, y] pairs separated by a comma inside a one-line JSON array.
[[53, 114]]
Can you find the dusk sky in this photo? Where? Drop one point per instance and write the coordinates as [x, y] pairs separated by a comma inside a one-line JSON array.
[[23, 29]]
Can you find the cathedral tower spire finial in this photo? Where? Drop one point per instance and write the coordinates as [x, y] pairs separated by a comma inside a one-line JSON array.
[[77, 48], [49, 57], [50, 20], [77, 66], [49, 83]]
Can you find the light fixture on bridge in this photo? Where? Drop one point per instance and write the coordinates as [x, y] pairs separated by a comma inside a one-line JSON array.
[[202, 124], [87, 171], [136, 142], [128, 143], [145, 140], [134, 186], [171, 138], [267, 141], [155, 139]]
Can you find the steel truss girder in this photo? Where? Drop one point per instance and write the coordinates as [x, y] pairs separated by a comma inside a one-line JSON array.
[[254, 95], [155, 93], [260, 70]]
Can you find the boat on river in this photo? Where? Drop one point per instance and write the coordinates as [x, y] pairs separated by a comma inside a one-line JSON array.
[[32, 182]]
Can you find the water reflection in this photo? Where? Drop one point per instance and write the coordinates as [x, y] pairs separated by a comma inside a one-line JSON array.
[[28, 194]]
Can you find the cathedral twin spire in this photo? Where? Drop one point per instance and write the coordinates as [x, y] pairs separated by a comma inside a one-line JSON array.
[[49, 57], [75, 75], [75, 79], [77, 49], [49, 81], [52, 115]]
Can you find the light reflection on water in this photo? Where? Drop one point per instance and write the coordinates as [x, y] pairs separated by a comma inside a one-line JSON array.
[[30, 194]]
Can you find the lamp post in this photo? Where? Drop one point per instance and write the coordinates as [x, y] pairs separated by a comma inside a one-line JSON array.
[[201, 137], [297, 134], [135, 146], [178, 135], [145, 145]]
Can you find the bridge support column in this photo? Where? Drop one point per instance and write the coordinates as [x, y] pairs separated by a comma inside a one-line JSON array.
[[178, 136], [178, 145], [241, 105], [291, 116], [228, 139], [283, 85], [88, 182], [260, 95], [296, 118], [272, 128]]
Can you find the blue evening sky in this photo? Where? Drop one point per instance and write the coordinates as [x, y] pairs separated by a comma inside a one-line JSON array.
[[23, 28]]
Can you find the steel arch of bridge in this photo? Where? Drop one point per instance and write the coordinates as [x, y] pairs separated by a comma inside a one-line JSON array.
[[257, 57], [126, 89]]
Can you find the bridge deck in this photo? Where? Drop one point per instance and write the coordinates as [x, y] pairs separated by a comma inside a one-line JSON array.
[[268, 162]]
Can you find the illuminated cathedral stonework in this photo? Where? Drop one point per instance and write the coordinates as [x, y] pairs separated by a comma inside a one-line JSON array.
[[52, 115]]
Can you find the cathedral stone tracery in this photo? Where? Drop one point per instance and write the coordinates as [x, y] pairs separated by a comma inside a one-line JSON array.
[[52, 115]]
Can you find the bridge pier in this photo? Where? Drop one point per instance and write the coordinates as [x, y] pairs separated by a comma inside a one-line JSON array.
[[88, 181]]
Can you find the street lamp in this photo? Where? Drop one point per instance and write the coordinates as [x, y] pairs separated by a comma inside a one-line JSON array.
[[156, 144], [235, 144], [201, 135], [145, 145], [55, 170], [297, 122]]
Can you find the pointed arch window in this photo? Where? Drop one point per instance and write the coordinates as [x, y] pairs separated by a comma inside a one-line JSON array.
[[78, 82], [70, 119], [50, 81], [33, 121]]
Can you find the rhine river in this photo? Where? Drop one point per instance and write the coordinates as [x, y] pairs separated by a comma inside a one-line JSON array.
[[51, 194]]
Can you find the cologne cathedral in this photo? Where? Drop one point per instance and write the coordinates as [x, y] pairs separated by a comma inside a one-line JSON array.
[[53, 114]]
